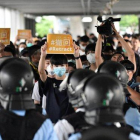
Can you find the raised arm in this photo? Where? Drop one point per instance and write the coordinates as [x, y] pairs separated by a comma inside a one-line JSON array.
[[98, 51], [41, 67], [76, 55], [130, 52]]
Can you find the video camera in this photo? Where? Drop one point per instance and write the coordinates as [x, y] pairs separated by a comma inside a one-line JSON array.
[[106, 28]]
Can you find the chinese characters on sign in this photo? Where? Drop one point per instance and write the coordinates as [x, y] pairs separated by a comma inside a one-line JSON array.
[[5, 36], [24, 34], [59, 44]]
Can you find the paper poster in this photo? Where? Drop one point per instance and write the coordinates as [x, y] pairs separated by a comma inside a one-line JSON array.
[[5, 36], [59, 44], [24, 34]]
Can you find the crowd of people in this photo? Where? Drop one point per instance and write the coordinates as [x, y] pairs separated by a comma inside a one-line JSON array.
[[91, 94]]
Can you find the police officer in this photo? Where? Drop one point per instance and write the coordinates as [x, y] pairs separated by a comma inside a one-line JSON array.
[[18, 119], [124, 75], [104, 99], [74, 122]]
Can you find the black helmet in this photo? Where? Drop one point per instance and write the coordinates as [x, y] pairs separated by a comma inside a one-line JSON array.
[[74, 79], [104, 100], [16, 83], [116, 69]]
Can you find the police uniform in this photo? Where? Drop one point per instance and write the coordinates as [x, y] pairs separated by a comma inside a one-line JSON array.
[[25, 125], [18, 119]]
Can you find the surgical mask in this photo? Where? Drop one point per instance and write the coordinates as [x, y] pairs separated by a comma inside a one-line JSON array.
[[20, 49], [82, 47], [29, 44], [84, 66], [59, 71], [49, 70], [91, 58]]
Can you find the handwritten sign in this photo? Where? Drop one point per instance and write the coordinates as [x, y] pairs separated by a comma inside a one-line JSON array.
[[24, 34], [5, 36], [60, 44]]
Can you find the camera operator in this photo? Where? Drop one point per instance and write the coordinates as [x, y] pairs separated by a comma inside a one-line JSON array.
[[117, 56]]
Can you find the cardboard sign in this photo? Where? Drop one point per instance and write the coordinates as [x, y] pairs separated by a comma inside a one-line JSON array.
[[24, 34], [59, 44], [5, 36]]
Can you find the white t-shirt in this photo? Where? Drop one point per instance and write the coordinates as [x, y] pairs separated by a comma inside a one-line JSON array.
[[36, 96]]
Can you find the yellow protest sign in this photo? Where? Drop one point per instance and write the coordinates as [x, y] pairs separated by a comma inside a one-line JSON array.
[[5, 36], [24, 34], [59, 44]]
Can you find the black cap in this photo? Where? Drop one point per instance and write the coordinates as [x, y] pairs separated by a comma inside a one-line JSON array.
[[127, 64], [32, 49], [10, 48], [108, 47]]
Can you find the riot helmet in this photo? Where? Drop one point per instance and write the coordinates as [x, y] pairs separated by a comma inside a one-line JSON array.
[[16, 83], [104, 99], [116, 69], [73, 80]]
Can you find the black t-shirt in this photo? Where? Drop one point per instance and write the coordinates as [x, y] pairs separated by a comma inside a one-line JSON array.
[[57, 103]]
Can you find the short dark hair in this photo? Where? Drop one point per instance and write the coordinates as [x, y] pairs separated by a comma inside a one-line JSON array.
[[22, 43], [48, 56], [71, 64], [59, 59], [91, 34], [83, 58], [136, 37], [127, 35], [84, 38], [90, 47]]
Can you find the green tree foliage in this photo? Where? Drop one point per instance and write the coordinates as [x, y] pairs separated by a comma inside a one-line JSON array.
[[129, 21], [43, 27]]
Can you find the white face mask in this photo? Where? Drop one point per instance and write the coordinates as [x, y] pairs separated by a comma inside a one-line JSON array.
[[91, 58], [49, 70], [82, 47], [20, 49]]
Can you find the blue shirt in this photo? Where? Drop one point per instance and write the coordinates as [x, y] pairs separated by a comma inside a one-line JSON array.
[[132, 117], [45, 132]]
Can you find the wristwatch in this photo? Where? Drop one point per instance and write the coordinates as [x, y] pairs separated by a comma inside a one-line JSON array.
[[77, 57]]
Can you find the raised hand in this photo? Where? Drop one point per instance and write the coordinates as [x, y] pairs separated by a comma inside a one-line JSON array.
[[76, 50], [43, 49]]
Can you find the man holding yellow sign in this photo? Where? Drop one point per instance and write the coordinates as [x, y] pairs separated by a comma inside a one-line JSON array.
[[59, 44]]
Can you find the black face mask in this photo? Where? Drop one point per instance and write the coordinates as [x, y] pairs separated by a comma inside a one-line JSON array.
[[107, 57]]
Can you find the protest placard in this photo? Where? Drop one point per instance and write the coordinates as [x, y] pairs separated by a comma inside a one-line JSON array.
[[59, 44], [5, 36]]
